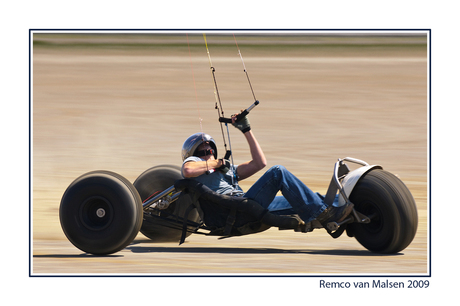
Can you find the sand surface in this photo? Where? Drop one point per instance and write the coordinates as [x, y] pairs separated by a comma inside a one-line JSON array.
[[126, 103]]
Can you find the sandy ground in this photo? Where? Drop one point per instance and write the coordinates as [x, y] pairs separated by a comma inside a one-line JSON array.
[[127, 102]]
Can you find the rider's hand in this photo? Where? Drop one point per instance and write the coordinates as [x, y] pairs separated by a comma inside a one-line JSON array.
[[225, 165], [242, 124]]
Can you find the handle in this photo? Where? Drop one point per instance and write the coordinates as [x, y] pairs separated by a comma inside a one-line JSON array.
[[240, 116]]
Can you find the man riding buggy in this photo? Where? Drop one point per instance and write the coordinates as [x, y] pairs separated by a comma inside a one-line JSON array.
[[101, 212], [200, 163]]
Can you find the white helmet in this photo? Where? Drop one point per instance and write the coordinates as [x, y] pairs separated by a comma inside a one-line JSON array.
[[193, 142]]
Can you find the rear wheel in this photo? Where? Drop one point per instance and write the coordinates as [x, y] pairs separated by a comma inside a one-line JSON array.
[[388, 202], [100, 212], [168, 226]]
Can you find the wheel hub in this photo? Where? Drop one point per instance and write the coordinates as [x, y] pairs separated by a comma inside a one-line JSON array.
[[100, 212], [96, 213]]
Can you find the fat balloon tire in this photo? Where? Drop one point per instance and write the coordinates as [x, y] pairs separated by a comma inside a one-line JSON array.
[[101, 212], [168, 226], [386, 199]]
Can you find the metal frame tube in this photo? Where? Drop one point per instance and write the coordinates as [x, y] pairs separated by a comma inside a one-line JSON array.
[[336, 175], [158, 196]]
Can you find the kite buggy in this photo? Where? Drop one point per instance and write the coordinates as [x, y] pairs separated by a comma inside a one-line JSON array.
[[101, 212]]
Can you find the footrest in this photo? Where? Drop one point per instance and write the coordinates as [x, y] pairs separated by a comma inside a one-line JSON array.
[[305, 227]]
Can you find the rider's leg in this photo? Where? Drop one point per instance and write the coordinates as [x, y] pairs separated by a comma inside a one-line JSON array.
[[307, 204]]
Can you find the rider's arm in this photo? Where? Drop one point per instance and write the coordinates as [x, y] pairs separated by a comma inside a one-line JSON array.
[[258, 161], [197, 168]]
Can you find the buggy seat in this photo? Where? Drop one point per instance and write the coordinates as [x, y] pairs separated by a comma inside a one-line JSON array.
[[227, 216]]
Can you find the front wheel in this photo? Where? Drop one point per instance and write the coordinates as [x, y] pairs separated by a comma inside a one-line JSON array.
[[384, 198], [101, 212]]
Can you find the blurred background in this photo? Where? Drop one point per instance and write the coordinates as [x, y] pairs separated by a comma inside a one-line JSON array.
[[126, 102]]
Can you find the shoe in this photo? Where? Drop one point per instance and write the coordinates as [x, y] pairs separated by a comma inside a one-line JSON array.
[[335, 214]]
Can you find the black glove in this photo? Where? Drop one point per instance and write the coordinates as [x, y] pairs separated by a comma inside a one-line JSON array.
[[243, 124], [225, 166]]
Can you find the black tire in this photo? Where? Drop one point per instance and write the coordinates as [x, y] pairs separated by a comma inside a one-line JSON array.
[[168, 227], [101, 212], [383, 197]]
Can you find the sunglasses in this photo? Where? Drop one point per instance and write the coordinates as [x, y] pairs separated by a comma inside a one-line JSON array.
[[202, 153]]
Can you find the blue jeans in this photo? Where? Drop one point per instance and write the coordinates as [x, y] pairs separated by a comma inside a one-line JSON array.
[[297, 197]]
